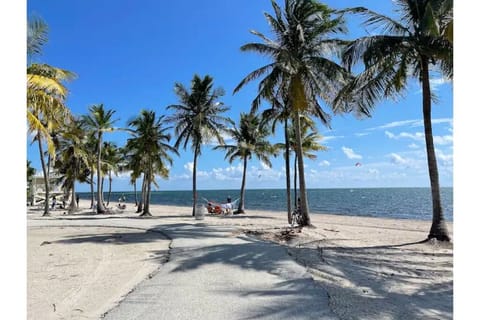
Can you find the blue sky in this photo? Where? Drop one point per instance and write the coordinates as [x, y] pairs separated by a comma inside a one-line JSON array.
[[129, 54]]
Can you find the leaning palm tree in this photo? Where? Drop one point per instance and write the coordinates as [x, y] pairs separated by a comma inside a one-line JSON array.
[[250, 139], [46, 95], [410, 47], [99, 121], [150, 142], [301, 51], [198, 118]]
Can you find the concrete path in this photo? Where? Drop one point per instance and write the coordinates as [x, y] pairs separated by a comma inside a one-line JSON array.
[[213, 273]]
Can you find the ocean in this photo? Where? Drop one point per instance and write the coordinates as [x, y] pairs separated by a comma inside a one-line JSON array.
[[403, 203]]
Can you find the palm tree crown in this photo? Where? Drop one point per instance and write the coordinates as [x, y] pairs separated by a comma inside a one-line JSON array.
[[198, 118], [149, 149], [301, 70], [99, 120], [250, 139], [403, 49]]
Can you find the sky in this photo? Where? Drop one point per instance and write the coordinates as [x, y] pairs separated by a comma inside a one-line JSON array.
[[129, 54]]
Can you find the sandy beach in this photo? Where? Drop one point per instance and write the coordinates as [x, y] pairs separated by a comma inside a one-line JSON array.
[[80, 266]]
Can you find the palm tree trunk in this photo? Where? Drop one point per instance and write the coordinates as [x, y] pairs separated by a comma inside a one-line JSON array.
[[438, 229], [100, 206], [46, 210], [92, 193], [73, 203], [142, 196], [301, 172], [241, 203], [287, 173], [195, 179], [295, 170], [135, 191], [109, 187], [146, 208]]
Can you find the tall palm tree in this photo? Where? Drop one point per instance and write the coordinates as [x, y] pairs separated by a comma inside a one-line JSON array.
[[198, 118], [279, 112], [250, 139], [99, 121], [150, 142], [46, 95], [301, 52], [410, 47]]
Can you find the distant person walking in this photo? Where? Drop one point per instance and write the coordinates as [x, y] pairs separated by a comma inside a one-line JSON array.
[[54, 202], [78, 200]]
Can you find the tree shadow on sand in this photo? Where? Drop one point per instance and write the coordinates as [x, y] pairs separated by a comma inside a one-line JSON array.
[[393, 278], [294, 295]]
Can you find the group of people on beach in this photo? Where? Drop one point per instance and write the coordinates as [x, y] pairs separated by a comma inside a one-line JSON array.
[[220, 208]]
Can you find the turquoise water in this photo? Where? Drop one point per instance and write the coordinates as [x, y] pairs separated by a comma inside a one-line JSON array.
[[406, 203]]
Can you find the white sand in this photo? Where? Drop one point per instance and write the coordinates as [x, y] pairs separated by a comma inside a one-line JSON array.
[[372, 268]]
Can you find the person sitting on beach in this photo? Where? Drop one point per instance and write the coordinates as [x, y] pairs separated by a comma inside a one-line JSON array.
[[214, 208], [227, 207]]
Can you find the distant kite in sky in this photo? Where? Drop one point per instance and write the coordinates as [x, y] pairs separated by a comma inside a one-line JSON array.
[[358, 164]]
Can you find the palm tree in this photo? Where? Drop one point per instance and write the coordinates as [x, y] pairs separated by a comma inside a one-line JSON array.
[[150, 143], [111, 164], [398, 50], [72, 158], [250, 139], [46, 95], [310, 142], [99, 121], [30, 173], [91, 145], [280, 112], [300, 52], [198, 118]]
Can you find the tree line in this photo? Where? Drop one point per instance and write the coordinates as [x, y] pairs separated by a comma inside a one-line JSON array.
[[309, 75]]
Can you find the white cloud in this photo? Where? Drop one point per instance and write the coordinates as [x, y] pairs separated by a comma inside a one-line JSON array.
[[419, 136], [413, 146], [411, 123], [350, 153], [445, 160], [362, 134], [189, 166], [324, 163], [443, 140], [437, 82], [328, 138], [228, 173], [397, 159]]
